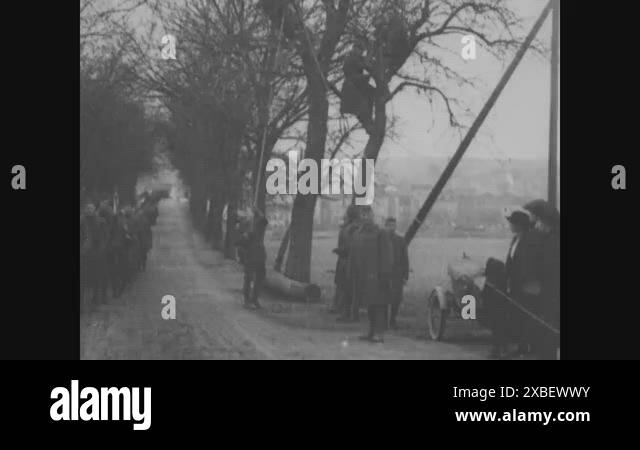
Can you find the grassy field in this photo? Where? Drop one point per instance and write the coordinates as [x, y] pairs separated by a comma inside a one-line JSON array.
[[428, 261]]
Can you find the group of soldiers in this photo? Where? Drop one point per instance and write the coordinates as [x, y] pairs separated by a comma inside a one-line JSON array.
[[114, 245], [371, 271], [373, 268], [522, 293]]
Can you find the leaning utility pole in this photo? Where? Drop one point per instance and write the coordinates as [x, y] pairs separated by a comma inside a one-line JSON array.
[[457, 156], [552, 189]]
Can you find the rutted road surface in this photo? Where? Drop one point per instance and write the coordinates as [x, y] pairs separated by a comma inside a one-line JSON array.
[[210, 321]]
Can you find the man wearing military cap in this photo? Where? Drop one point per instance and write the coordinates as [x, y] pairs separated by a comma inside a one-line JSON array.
[[370, 262]]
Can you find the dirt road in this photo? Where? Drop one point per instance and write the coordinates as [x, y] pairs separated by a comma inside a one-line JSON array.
[[210, 322]]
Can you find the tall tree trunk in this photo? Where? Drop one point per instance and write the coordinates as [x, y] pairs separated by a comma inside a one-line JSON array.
[[301, 228], [316, 67], [298, 265], [299, 258], [378, 131]]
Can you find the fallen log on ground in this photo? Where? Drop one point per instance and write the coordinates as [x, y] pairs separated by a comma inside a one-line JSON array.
[[292, 289]]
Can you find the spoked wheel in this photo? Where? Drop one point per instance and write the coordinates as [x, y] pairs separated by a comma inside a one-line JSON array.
[[436, 317]]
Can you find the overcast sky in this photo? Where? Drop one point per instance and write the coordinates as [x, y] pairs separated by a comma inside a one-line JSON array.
[[518, 124]]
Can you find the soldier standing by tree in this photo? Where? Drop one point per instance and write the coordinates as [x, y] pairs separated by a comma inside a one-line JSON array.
[[119, 254], [253, 256], [106, 212], [370, 263], [343, 297], [132, 244], [399, 271]]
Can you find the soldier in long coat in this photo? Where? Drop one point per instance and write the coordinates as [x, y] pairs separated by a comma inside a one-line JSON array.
[[120, 266], [343, 297], [399, 272], [106, 212], [253, 257], [94, 240], [150, 207], [132, 246], [369, 267], [143, 230]]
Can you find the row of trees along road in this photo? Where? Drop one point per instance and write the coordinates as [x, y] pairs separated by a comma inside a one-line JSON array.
[[115, 133], [248, 79]]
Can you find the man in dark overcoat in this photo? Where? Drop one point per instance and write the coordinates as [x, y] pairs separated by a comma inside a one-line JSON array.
[[546, 229], [151, 210], [132, 243], [370, 262], [119, 243], [399, 271], [253, 257], [106, 212], [142, 228], [343, 296], [522, 279]]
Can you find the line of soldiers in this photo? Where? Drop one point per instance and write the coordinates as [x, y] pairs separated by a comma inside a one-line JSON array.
[[371, 271], [114, 246]]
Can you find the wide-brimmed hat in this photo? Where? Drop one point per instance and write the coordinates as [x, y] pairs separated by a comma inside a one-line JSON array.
[[544, 210], [519, 218]]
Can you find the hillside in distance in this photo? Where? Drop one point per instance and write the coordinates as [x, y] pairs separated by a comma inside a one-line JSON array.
[[525, 177]]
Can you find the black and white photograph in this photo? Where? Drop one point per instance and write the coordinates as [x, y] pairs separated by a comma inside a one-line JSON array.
[[319, 180]]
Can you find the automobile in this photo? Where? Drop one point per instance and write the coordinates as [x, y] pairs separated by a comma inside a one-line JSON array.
[[466, 278], [467, 282]]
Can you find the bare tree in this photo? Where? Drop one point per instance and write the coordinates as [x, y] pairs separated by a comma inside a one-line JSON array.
[[115, 132], [227, 80], [315, 33], [422, 25]]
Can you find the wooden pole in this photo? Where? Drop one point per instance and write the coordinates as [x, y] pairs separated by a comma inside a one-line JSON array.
[[552, 189], [462, 148]]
